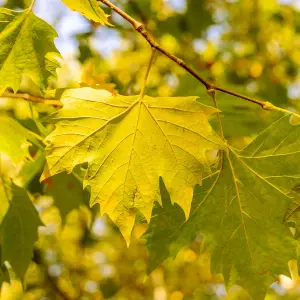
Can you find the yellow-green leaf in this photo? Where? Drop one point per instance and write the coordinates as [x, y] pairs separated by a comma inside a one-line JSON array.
[[128, 144], [26, 48], [90, 9], [15, 140]]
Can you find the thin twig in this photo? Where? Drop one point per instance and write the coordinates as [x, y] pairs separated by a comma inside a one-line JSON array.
[[140, 28], [31, 98]]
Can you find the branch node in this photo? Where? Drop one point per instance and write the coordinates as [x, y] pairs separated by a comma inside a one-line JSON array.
[[211, 91], [139, 27], [180, 62], [268, 106]]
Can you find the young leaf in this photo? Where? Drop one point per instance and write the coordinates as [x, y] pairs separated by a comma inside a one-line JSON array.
[[242, 213], [90, 9], [15, 140], [129, 143], [26, 48], [19, 224]]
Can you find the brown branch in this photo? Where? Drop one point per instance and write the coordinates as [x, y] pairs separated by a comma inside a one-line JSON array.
[[31, 98], [140, 28]]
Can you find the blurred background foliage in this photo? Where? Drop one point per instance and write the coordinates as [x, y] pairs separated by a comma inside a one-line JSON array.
[[251, 47]]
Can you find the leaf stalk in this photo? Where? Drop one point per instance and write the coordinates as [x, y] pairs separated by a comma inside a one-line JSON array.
[[143, 89]]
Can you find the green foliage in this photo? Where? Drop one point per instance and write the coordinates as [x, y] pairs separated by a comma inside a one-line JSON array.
[[156, 164], [242, 228], [67, 193], [26, 48], [19, 224]]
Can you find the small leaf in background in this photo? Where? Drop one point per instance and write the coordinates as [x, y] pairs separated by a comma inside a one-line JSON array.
[[30, 169], [15, 140], [90, 9], [19, 227], [26, 48], [91, 77], [129, 144]]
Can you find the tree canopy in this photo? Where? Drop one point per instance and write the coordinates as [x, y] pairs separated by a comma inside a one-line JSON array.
[[149, 149]]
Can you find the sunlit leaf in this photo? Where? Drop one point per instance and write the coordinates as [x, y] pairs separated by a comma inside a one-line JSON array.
[[15, 140], [129, 143], [89, 8], [26, 48]]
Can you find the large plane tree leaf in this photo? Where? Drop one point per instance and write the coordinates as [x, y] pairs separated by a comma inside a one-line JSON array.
[[26, 48], [240, 211], [89, 8], [15, 140], [19, 224], [128, 144]]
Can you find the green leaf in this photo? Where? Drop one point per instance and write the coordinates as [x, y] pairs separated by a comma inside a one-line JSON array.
[[90, 9], [129, 143], [26, 48], [166, 220], [66, 191], [15, 140], [241, 212], [18, 228]]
